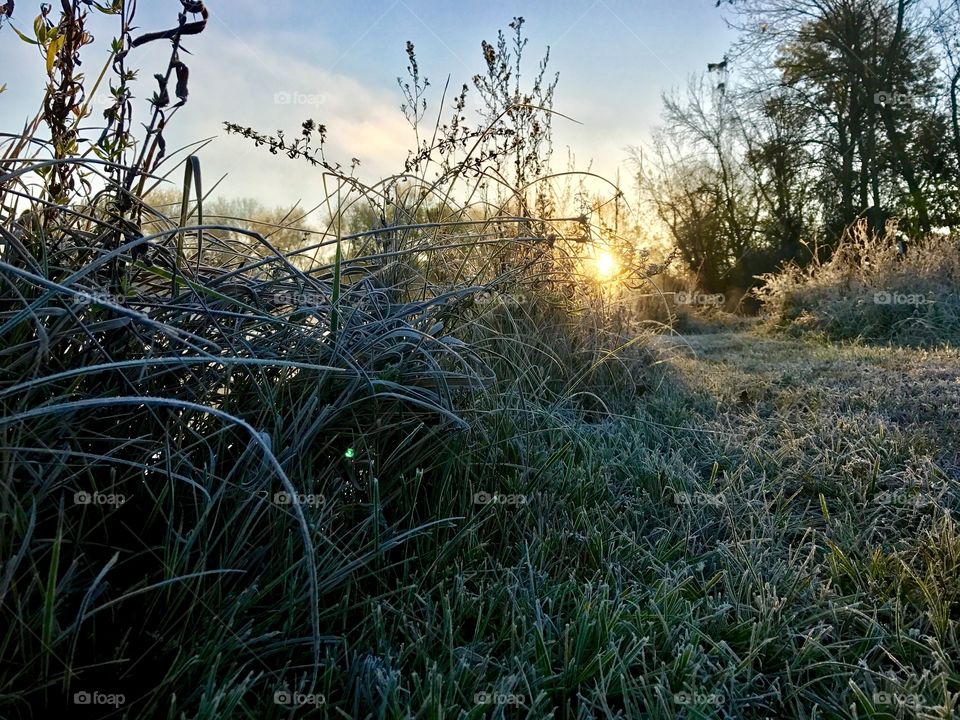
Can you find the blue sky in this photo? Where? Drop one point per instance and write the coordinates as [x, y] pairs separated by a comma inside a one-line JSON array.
[[338, 62]]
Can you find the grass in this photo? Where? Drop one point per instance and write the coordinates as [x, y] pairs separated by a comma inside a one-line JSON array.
[[566, 521], [522, 508], [868, 290], [444, 472], [224, 482]]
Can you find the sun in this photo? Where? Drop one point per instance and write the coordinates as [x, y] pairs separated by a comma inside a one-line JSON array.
[[606, 265]]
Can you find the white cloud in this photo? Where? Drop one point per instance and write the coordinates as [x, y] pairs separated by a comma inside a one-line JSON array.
[[254, 84]]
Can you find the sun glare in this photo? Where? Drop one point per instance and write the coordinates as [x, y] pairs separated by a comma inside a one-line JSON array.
[[606, 265]]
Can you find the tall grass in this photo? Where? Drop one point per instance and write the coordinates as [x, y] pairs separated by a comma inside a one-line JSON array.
[[226, 465], [870, 289], [216, 475]]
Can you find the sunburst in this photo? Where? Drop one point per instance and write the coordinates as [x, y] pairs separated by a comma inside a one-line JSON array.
[[605, 265]]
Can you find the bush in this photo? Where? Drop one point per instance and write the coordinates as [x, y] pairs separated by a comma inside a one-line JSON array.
[[868, 289]]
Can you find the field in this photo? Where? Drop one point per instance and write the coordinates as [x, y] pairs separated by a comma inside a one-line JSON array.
[[472, 440]]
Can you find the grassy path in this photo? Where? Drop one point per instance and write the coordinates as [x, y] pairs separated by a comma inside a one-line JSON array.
[[768, 533], [758, 382], [829, 517]]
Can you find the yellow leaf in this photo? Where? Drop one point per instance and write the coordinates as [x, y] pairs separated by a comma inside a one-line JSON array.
[[40, 29], [52, 51]]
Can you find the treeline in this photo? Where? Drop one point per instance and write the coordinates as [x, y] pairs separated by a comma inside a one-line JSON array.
[[824, 112]]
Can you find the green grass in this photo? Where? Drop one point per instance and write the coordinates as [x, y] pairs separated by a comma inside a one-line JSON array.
[[356, 488], [729, 526]]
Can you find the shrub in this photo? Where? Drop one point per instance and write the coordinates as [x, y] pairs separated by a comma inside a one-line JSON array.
[[869, 290]]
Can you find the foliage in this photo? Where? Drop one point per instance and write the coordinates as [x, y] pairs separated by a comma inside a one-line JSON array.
[[223, 448], [868, 290], [823, 113]]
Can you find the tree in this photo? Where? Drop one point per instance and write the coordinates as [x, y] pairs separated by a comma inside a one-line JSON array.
[[863, 71], [782, 170]]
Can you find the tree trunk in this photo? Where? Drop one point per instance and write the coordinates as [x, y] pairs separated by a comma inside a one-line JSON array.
[[907, 170]]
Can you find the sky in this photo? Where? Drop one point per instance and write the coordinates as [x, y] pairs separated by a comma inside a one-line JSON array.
[[271, 65]]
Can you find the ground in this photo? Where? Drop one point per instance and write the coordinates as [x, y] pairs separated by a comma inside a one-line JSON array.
[[829, 518], [770, 533]]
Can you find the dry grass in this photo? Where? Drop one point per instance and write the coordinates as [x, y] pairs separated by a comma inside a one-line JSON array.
[[867, 290]]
